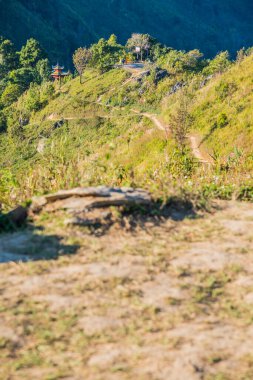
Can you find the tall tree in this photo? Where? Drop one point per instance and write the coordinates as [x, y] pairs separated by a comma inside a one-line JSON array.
[[113, 40], [141, 42], [22, 77], [105, 54], [81, 60], [8, 57], [42, 70], [31, 53], [11, 94], [181, 120]]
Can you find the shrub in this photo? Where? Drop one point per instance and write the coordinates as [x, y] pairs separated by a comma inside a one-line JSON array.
[[10, 94], [218, 65], [47, 92], [32, 99], [3, 122], [14, 125], [225, 90], [222, 120]]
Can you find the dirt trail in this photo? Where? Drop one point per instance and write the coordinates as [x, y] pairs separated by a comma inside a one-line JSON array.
[[198, 152], [202, 156], [154, 120], [149, 298], [55, 117]]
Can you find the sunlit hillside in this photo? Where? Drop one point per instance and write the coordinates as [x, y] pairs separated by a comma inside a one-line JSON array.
[[102, 131]]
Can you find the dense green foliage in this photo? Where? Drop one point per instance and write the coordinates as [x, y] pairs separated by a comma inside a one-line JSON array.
[[19, 71], [105, 54], [63, 25]]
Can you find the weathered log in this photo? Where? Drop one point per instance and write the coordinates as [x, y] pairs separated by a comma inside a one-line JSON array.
[[91, 197]]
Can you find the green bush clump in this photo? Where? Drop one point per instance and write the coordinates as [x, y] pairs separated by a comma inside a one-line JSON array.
[[181, 163], [222, 120], [15, 127], [224, 192], [227, 192], [3, 122], [225, 90], [245, 193]]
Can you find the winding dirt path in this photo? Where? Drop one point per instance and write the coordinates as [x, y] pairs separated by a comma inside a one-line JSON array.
[[201, 155], [154, 119], [198, 152], [55, 117]]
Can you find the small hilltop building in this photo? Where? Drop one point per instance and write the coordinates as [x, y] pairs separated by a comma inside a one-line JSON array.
[[58, 73]]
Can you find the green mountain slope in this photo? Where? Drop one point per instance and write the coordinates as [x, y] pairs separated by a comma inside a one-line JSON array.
[[112, 130], [222, 115], [63, 25]]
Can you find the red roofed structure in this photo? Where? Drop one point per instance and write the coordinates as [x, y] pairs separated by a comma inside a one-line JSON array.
[[58, 72]]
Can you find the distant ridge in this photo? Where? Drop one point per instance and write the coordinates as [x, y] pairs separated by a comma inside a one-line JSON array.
[[63, 25]]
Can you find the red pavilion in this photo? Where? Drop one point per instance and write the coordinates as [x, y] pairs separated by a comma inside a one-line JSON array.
[[58, 72]]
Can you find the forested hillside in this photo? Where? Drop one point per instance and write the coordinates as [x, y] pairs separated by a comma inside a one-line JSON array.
[[63, 25]]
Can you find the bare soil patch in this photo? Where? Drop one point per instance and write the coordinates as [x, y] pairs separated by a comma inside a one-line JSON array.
[[170, 299]]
